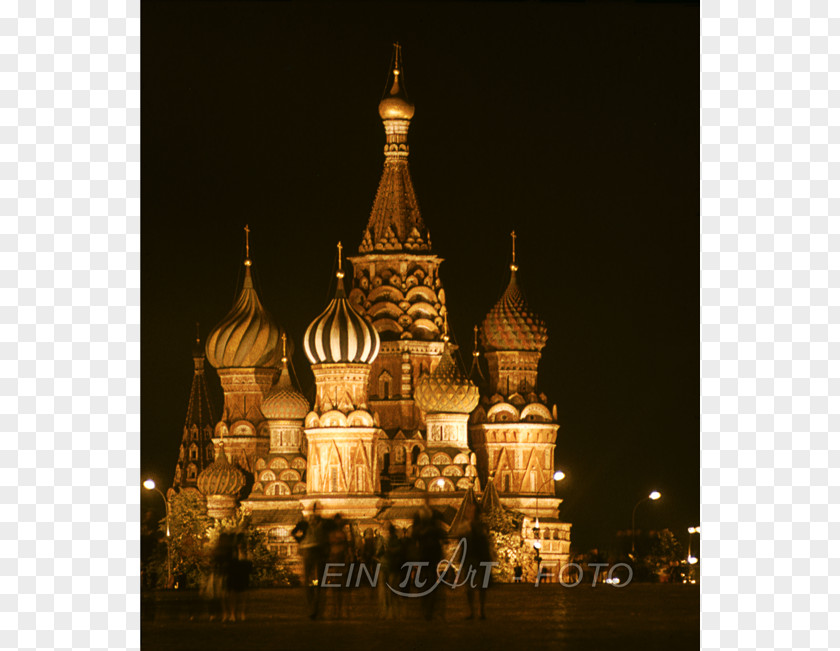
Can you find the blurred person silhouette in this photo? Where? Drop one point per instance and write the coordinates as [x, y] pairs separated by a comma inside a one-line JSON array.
[[239, 573], [310, 534], [476, 570], [390, 555], [339, 559], [214, 589], [428, 534]]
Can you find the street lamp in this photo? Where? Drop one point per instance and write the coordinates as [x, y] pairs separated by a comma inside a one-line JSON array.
[[654, 495], [557, 476], [149, 485], [692, 530]]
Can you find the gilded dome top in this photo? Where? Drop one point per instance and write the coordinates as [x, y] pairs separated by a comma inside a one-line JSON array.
[[283, 401], [511, 324], [341, 335], [396, 105], [446, 390], [221, 478], [248, 336]]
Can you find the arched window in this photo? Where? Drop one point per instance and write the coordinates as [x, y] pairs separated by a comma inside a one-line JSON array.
[[193, 452], [191, 472], [506, 481], [386, 462], [384, 385], [415, 452]]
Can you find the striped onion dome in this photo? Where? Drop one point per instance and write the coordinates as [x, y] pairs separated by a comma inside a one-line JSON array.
[[248, 336], [221, 478], [283, 401], [446, 390], [340, 334], [511, 325]]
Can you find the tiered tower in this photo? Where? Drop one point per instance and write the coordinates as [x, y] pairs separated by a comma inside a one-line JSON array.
[[447, 397], [244, 348], [196, 451], [513, 431], [341, 432], [395, 278]]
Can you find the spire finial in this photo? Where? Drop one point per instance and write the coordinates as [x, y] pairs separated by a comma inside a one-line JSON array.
[[397, 57], [247, 246], [339, 273], [513, 265], [445, 326], [284, 359], [475, 341], [197, 333]]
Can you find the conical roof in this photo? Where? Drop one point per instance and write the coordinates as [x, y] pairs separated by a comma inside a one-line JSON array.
[[466, 513], [395, 224], [511, 324], [490, 498], [446, 390]]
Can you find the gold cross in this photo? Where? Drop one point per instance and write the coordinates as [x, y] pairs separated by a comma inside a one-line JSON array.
[[247, 243], [339, 256], [513, 241], [284, 345]]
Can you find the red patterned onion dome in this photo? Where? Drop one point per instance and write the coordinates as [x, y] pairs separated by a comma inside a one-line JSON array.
[[248, 336], [283, 401], [221, 478], [446, 390], [340, 334], [511, 324]]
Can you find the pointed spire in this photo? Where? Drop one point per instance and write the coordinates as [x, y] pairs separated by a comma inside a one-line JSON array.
[[395, 224], [513, 266], [247, 246]]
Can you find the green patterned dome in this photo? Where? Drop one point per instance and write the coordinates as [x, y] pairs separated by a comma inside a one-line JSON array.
[[221, 478], [511, 324], [446, 390], [283, 401]]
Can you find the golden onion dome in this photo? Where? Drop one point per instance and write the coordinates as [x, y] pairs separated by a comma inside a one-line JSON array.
[[340, 335], [396, 105], [511, 325], [220, 478], [283, 401], [446, 390], [248, 336]]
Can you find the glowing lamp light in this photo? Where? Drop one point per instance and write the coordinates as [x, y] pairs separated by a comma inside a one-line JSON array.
[[537, 524], [559, 475], [692, 560], [692, 530], [655, 495], [149, 484], [537, 545], [440, 482]]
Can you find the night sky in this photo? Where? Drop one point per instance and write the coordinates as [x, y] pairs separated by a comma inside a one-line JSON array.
[[574, 123]]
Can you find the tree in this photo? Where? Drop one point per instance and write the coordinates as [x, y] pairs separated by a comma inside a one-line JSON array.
[[510, 550], [666, 553]]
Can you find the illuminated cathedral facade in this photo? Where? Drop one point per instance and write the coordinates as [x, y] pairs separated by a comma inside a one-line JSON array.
[[395, 420]]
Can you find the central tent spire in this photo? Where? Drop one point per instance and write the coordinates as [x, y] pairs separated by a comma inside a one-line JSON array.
[[395, 224]]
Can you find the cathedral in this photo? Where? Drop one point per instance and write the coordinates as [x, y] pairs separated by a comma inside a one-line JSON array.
[[395, 420]]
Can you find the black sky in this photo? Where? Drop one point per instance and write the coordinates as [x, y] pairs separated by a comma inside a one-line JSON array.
[[574, 123]]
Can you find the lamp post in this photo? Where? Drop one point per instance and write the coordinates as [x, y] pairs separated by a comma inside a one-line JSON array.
[[149, 485], [557, 476], [692, 530], [654, 495]]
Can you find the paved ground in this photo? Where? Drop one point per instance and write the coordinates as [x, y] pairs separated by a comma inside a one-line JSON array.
[[638, 616]]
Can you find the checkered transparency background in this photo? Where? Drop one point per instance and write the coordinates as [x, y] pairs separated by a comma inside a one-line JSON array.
[[69, 318], [69, 324], [770, 136]]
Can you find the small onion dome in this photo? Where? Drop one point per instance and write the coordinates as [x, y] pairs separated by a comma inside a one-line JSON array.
[[220, 478], [396, 105], [511, 325], [446, 390], [283, 401], [340, 334], [247, 336]]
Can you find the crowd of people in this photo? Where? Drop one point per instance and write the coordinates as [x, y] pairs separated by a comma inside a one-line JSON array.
[[399, 565], [226, 582]]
